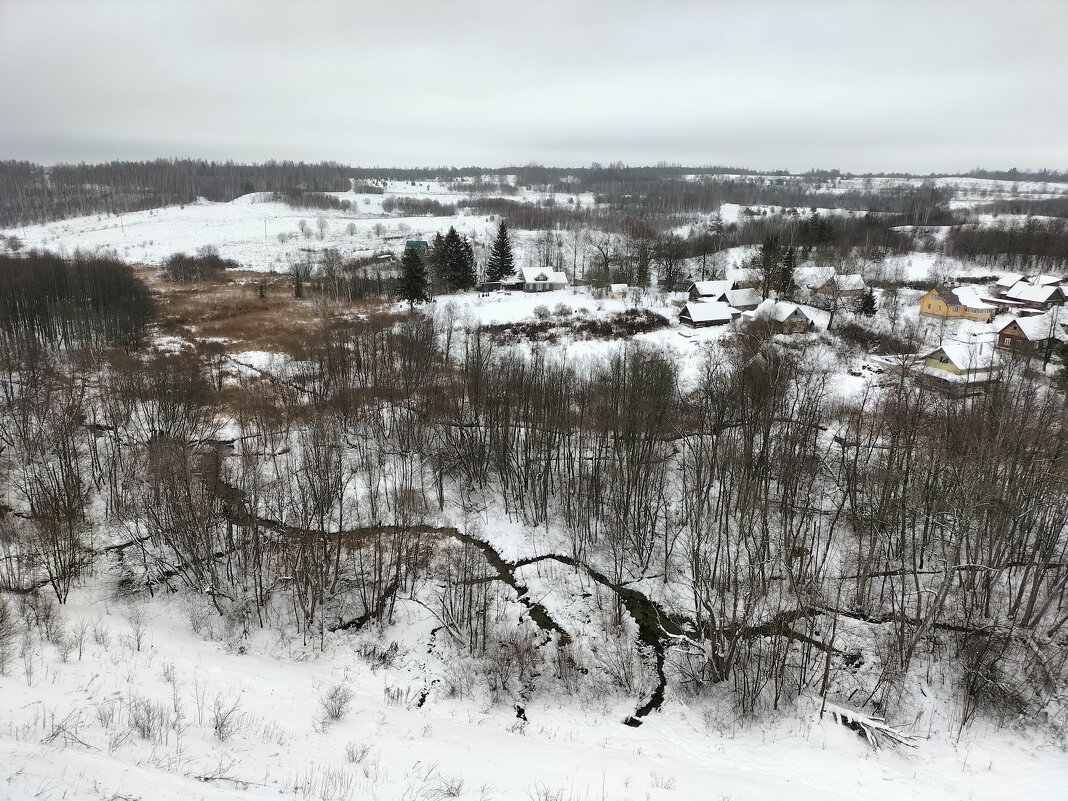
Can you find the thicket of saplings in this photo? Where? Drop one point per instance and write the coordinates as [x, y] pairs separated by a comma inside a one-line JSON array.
[[794, 545]]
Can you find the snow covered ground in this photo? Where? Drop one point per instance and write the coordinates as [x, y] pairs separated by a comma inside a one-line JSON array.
[[66, 730], [248, 228]]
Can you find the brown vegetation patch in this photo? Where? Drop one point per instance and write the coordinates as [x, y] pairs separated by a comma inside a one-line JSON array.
[[230, 311]]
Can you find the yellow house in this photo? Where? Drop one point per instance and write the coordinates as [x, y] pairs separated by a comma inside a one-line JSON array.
[[959, 368], [962, 302]]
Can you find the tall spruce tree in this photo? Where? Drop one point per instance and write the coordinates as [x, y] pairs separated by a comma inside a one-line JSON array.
[[436, 260], [465, 266], [767, 260], [787, 287], [457, 261], [414, 283], [500, 264], [866, 303]]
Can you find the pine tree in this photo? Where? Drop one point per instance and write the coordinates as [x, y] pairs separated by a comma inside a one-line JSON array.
[[500, 263], [414, 283], [866, 303]]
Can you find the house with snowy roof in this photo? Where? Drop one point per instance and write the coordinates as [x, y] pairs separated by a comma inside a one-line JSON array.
[[1036, 296], [1037, 292], [842, 286], [1027, 333], [1007, 282], [540, 279], [707, 313], [960, 368], [962, 302], [783, 317], [709, 290]]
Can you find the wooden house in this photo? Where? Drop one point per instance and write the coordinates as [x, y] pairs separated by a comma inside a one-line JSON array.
[[960, 368], [707, 313], [842, 286], [1027, 333], [708, 290], [539, 279], [960, 303]]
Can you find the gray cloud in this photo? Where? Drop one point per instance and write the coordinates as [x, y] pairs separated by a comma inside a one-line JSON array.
[[860, 84]]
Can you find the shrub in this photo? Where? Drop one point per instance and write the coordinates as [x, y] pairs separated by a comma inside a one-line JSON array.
[[225, 720], [336, 701], [205, 265]]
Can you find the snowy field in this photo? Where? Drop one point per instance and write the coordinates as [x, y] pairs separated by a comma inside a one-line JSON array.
[[66, 731], [265, 235]]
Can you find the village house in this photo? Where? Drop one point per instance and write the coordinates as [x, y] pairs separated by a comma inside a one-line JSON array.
[[962, 302], [842, 286], [742, 299], [789, 318], [618, 291], [420, 246], [1035, 293], [709, 290], [705, 314], [540, 279], [1027, 333], [781, 317], [960, 368], [1007, 282], [1036, 296]]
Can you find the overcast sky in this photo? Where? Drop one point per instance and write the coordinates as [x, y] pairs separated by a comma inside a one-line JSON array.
[[861, 85]]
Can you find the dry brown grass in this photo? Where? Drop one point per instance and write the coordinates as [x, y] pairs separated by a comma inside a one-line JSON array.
[[229, 308]]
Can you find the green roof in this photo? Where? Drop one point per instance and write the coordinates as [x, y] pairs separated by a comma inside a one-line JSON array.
[[415, 244]]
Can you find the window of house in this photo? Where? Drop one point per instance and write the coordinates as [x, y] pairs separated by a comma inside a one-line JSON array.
[[956, 308]]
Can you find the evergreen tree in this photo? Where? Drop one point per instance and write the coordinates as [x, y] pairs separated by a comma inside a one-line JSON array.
[[414, 282], [436, 259], [787, 287], [465, 266], [500, 263], [866, 303], [766, 263], [457, 261]]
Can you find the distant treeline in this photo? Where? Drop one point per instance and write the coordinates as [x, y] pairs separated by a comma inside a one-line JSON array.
[[46, 300], [1015, 174], [31, 193], [300, 199], [1034, 243], [1046, 207], [417, 206]]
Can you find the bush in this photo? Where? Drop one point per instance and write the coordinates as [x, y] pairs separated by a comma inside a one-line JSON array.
[[336, 701], [866, 339], [225, 720], [205, 265]]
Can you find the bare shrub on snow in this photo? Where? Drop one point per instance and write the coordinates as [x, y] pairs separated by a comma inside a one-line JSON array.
[[336, 701], [148, 718], [101, 635], [225, 718], [356, 753]]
